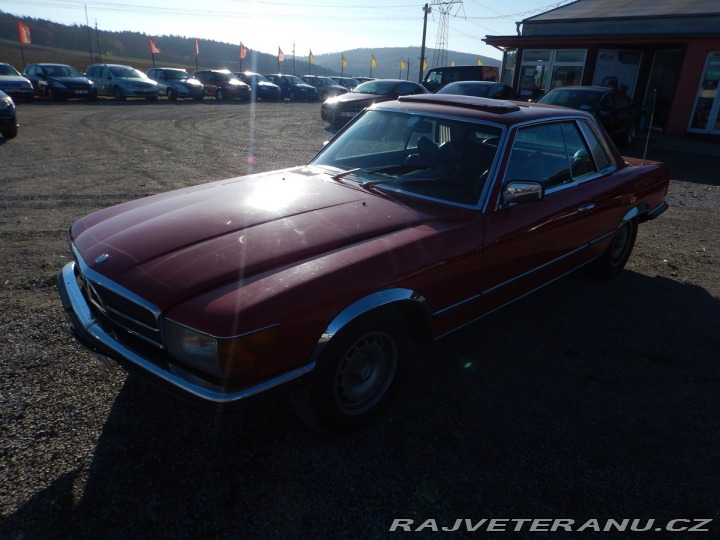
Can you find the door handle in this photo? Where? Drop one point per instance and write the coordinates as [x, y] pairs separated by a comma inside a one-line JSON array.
[[586, 207]]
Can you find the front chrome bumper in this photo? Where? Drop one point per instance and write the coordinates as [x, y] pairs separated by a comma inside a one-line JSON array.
[[174, 379]]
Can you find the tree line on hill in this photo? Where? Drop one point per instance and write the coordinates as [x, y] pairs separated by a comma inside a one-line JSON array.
[[88, 44]]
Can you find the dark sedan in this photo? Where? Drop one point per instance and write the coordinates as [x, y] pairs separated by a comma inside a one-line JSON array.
[[60, 81], [8, 119], [341, 109], [260, 86], [488, 89], [613, 108], [222, 84], [293, 88]]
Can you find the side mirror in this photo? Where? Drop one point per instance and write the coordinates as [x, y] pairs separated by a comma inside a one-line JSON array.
[[518, 191]]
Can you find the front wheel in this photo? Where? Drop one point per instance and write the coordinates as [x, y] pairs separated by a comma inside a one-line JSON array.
[[11, 132], [219, 95], [117, 94], [355, 377], [171, 95], [611, 263], [630, 135]]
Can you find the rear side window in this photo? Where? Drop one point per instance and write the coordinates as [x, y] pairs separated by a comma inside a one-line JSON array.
[[554, 154]]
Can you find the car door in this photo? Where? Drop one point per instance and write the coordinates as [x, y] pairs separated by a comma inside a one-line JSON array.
[[530, 244]]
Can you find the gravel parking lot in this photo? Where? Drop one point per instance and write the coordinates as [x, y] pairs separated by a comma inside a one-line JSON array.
[[589, 400]]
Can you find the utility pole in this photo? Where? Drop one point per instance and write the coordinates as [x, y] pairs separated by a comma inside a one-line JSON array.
[[87, 23], [441, 44], [427, 10], [97, 35]]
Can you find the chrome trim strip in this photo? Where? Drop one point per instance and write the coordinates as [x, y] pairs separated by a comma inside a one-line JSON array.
[[519, 277], [180, 380], [468, 323]]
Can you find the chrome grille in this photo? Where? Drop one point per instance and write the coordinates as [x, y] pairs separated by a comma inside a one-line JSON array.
[[115, 307]]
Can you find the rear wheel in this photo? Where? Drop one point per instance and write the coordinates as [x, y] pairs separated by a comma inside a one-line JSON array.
[[356, 375], [611, 263]]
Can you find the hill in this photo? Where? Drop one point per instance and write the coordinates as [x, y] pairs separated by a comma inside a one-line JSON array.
[[80, 46]]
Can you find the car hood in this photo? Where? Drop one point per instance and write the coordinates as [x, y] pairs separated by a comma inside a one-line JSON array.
[[174, 246], [71, 80], [304, 86], [359, 99], [137, 80], [13, 79]]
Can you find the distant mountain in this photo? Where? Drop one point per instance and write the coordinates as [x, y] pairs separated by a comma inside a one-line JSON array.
[[80, 46], [389, 60]]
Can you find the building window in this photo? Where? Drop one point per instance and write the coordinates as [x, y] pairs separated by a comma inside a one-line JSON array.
[[508, 66], [618, 69], [543, 70], [706, 116]]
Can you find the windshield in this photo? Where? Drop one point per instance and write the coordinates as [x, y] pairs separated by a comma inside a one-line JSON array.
[[292, 79], [127, 72], [380, 88], [6, 69], [62, 71], [586, 100], [173, 74], [431, 157]]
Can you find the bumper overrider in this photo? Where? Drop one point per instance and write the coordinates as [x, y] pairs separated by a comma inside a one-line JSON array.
[[92, 333]]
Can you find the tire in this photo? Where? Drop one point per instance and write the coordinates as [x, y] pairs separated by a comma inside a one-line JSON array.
[[171, 95], [11, 132], [219, 95], [611, 263], [630, 135], [356, 375], [50, 94], [293, 97], [117, 94]]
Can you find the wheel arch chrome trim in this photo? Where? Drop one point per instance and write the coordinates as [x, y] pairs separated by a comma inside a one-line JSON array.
[[365, 305]]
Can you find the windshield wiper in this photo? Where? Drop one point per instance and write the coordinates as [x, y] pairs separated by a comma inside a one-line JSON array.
[[339, 176]]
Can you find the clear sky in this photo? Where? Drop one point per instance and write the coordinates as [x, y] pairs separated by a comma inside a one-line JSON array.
[[323, 26]]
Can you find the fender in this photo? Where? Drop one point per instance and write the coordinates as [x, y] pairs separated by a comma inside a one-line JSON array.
[[365, 305]]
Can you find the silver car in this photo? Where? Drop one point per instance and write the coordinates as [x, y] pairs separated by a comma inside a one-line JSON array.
[[122, 82], [14, 84]]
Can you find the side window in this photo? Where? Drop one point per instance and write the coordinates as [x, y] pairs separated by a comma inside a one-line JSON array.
[[599, 150], [553, 154], [90, 72]]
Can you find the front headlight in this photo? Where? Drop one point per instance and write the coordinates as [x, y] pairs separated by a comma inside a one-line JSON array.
[[229, 359], [6, 103]]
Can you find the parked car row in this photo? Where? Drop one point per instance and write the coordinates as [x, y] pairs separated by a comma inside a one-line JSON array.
[[60, 81]]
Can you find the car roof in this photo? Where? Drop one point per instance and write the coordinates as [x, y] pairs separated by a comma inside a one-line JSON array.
[[588, 88], [499, 111]]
